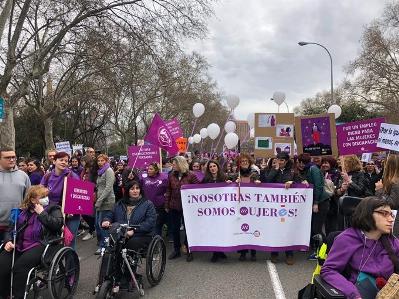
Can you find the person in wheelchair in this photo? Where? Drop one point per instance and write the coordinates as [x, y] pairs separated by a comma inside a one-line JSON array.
[[37, 224], [134, 209], [364, 252]]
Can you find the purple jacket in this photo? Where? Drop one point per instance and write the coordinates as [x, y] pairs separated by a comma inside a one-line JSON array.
[[55, 184], [346, 255], [154, 188]]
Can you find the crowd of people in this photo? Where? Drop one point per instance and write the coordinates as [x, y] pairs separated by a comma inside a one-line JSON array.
[[152, 197]]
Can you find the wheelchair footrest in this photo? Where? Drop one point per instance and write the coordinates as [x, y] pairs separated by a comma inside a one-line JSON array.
[[324, 290]]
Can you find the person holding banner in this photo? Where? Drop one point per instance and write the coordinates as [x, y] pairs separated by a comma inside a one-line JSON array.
[[214, 174], [246, 173], [389, 187], [180, 175], [105, 197], [154, 187], [54, 182], [37, 223], [282, 173]]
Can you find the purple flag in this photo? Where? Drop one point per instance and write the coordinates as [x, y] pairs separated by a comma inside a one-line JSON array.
[[174, 128], [158, 134], [359, 137]]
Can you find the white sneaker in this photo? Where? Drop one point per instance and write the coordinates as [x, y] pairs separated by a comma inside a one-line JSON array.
[[87, 237]]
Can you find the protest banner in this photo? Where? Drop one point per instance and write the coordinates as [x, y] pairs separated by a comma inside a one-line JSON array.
[[359, 137], [123, 158], [63, 146], [274, 133], [174, 128], [78, 197], [316, 135], [158, 134], [367, 157], [264, 217], [181, 144], [77, 147], [142, 156], [388, 137]]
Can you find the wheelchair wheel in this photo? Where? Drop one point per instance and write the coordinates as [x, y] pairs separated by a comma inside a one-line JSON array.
[[155, 260], [105, 291], [64, 274]]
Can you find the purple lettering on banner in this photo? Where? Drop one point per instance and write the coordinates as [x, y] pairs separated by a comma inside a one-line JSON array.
[[359, 137], [174, 128], [78, 197], [143, 155]]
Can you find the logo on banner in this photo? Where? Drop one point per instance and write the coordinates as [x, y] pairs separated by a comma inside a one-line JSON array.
[[164, 138], [245, 227]]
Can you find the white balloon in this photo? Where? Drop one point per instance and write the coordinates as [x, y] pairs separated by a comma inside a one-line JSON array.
[[198, 109], [197, 138], [204, 133], [279, 97], [232, 101], [190, 140], [251, 120], [213, 131], [336, 110], [230, 127], [231, 140]]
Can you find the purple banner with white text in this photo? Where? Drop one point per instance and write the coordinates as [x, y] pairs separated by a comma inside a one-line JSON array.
[[142, 156]]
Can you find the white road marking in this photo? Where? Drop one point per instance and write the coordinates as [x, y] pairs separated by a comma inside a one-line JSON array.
[[276, 283]]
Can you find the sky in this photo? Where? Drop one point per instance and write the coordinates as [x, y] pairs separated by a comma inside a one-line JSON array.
[[252, 47]]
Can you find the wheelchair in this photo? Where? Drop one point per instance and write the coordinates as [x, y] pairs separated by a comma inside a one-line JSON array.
[[321, 289], [118, 267], [58, 272]]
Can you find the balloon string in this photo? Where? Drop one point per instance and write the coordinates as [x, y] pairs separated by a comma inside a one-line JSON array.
[[221, 131], [192, 132]]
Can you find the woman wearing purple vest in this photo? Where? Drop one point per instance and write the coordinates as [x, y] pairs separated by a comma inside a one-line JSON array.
[[37, 223]]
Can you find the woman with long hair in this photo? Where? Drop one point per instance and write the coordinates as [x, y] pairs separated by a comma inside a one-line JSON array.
[[214, 174], [37, 224], [389, 187], [354, 179], [180, 175]]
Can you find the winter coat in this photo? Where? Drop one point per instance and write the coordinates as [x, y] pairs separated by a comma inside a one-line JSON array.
[[52, 222], [105, 191], [372, 178], [345, 256], [313, 176], [279, 176], [143, 214], [173, 196], [359, 185]]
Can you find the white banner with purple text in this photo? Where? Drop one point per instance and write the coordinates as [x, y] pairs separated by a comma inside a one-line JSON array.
[[266, 217]]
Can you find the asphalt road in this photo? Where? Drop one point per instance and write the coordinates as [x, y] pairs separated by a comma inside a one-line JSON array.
[[203, 279]]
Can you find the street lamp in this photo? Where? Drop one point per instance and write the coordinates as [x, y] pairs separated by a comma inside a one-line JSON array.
[[331, 63]]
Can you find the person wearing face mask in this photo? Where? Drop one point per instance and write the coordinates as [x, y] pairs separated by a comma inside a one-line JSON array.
[[134, 209], [214, 174], [154, 186], [54, 182], [38, 222]]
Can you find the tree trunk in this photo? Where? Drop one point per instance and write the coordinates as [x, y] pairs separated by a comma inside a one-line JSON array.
[[48, 132], [7, 130]]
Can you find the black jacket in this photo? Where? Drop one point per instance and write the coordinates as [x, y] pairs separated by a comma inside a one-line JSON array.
[[52, 222], [359, 187], [279, 176], [372, 178]]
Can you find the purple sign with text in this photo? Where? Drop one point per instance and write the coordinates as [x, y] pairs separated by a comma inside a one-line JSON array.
[[142, 156], [174, 128], [316, 136], [78, 197], [359, 137]]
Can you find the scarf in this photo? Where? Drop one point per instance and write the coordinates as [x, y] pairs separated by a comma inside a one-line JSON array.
[[103, 169]]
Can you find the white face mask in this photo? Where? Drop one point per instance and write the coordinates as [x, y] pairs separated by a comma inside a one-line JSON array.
[[44, 201]]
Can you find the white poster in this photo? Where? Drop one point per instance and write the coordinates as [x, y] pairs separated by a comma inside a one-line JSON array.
[[388, 137], [63, 146], [267, 217]]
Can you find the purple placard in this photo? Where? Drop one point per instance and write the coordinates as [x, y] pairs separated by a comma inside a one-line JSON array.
[[316, 135], [359, 137], [174, 128], [142, 156], [78, 197]]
